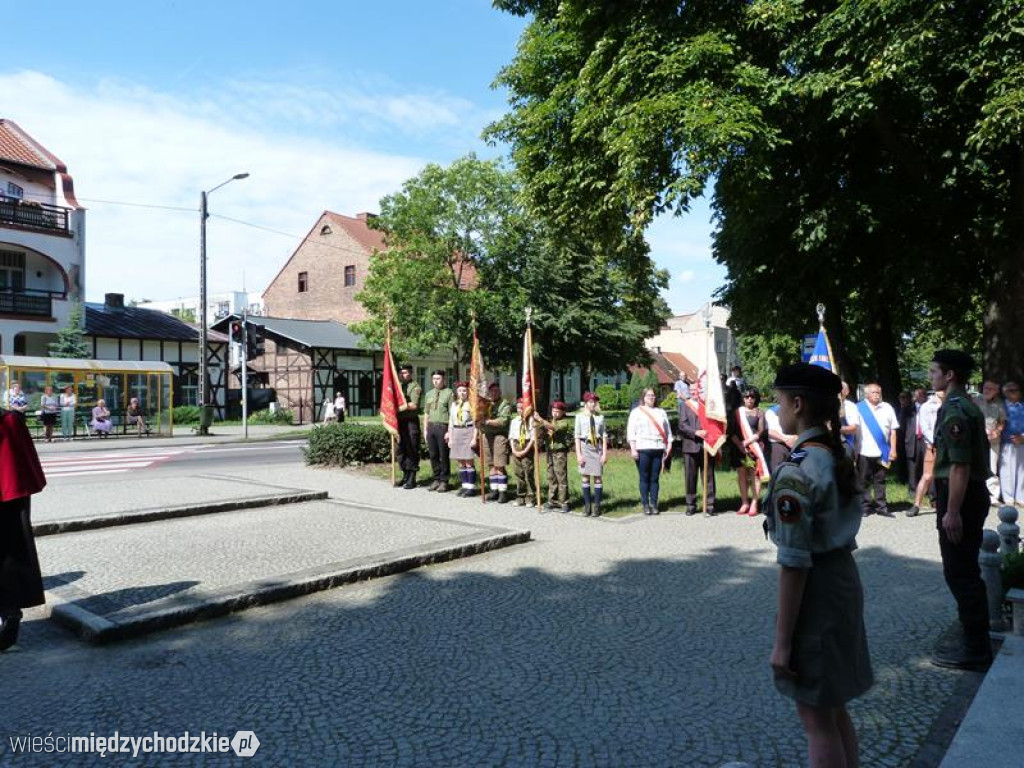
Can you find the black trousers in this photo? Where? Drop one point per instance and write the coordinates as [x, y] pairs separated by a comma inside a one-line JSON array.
[[915, 465], [872, 478], [960, 561], [694, 463], [440, 464], [21, 583], [408, 453]]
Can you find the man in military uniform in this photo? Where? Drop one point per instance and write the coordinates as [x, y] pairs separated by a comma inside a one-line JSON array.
[[560, 442], [408, 453], [495, 432], [436, 405], [961, 468]]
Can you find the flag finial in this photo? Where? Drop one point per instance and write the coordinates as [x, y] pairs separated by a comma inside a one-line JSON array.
[[821, 313]]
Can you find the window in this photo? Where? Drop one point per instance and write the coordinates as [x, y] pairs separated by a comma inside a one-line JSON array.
[[12, 270], [14, 191], [350, 276], [326, 230], [303, 282]]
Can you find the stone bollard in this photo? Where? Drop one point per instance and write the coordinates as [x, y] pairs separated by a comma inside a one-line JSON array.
[[1009, 531], [991, 563]]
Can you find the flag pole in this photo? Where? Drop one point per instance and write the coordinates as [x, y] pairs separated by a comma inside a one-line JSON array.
[[388, 362], [476, 397], [533, 401]]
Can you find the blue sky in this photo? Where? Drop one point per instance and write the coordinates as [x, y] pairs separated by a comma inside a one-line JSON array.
[[329, 105]]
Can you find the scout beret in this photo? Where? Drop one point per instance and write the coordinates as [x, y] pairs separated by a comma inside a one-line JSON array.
[[494, 385], [519, 401], [462, 384], [558, 404], [590, 397], [954, 360], [807, 376]]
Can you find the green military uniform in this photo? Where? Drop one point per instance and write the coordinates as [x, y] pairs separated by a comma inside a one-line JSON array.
[[560, 442], [495, 435], [408, 451], [520, 433], [960, 439], [437, 404]]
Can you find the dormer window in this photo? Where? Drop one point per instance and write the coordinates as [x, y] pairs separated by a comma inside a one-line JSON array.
[[326, 230]]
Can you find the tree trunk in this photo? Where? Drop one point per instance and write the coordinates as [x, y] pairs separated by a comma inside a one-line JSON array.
[[883, 345], [1004, 315]]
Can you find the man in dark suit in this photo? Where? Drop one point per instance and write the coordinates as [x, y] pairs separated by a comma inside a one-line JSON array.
[[693, 459], [913, 442]]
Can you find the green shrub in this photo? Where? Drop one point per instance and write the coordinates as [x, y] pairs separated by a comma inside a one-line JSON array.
[[609, 397], [670, 403], [281, 416], [341, 444], [1013, 571], [185, 414]]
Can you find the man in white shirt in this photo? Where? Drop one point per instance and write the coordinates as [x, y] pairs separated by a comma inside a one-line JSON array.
[[876, 446]]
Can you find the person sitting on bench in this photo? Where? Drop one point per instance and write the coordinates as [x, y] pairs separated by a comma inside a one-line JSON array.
[[101, 423], [135, 416]]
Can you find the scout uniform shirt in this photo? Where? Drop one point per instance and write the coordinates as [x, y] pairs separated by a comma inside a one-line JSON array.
[[520, 432], [561, 437], [413, 395], [590, 428], [437, 405], [808, 516], [960, 437], [501, 410]]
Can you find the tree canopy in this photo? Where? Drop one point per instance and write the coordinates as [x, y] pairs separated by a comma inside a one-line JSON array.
[[865, 155], [70, 342]]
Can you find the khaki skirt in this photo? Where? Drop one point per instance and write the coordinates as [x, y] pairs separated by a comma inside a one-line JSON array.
[[830, 646], [461, 443], [592, 466]]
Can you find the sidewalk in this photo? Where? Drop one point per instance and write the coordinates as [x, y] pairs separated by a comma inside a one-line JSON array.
[[183, 436]]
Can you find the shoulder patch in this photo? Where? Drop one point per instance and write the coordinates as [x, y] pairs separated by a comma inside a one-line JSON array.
[[956, 429], [789, 508], [792, 478]]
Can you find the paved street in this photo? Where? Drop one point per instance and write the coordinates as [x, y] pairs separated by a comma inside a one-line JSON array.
[[600, 643]]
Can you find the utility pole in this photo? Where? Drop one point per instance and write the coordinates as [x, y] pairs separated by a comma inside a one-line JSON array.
[[245, 372]]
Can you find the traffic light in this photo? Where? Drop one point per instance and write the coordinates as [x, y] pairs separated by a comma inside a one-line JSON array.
[[237, 333], [255, 345]]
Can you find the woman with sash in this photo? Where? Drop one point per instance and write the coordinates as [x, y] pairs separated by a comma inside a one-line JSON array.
[[650, 443], [752, 469]]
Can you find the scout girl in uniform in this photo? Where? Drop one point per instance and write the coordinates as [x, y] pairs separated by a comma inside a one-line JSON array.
[[461, 438], [591, 453], [820, 655]]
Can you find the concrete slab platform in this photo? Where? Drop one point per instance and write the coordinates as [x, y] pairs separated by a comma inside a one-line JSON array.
[[114, 583], [130, 500]]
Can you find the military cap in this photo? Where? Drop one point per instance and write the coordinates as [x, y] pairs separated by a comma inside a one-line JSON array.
[[590, 397], [405, 367], [953, 360], [807, 376], [558, 404], [494, 385], [462, 384]]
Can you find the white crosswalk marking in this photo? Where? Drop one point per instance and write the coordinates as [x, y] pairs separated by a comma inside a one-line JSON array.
[[70, 465]]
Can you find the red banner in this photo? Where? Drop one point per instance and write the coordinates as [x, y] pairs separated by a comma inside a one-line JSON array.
[[479, 402], [527, 374], [391, 396]]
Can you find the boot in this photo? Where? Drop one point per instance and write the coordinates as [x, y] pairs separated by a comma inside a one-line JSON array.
[[10, 623], [502, 497], [586, 507], [565, 508], [442, 486], [595, 509], [404, 479], [410, 481], [433, 485]]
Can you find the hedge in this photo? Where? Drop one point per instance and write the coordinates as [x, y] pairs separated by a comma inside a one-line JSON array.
[[342, 444], [266, 416]]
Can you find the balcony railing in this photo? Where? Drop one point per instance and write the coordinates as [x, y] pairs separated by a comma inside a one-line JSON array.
[[30, 302], [32, 214]]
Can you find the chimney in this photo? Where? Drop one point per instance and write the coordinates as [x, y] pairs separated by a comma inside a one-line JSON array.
[[364, 216], [113, 302]]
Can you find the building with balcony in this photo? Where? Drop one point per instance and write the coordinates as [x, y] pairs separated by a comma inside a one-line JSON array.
[[692, 335], [42, 244], [218, 306]]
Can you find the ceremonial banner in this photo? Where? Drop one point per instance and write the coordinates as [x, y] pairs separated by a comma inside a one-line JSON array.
[[711, 405], [822, 354], [479, 403], [391, 396], [527, 374]]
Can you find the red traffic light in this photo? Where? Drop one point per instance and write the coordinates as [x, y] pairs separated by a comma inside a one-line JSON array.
[[237, 333]]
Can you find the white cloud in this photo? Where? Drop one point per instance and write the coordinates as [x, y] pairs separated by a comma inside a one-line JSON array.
[[125, 142]]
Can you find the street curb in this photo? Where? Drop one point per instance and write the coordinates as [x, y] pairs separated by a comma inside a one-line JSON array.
[[95, 522], [99, 630]]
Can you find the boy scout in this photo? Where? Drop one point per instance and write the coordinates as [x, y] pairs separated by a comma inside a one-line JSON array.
[[437, 404], [520, 438], [961, 468], [408, 453], [494, 429], [560, 442]]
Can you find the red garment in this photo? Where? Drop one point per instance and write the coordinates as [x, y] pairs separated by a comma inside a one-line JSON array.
[[21, 474]]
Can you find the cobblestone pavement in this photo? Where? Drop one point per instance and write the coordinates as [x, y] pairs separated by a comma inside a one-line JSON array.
[[635, 643]]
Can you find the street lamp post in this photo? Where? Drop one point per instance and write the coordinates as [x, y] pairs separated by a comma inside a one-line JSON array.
[[204, 420]]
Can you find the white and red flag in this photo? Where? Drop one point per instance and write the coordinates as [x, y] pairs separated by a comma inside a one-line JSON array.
[[528, 400]]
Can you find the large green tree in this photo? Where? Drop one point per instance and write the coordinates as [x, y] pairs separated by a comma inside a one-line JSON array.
[[462, 244], [867, 155], [70, 340]]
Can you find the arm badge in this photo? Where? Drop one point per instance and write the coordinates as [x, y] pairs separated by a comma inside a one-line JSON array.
[[789, 508]]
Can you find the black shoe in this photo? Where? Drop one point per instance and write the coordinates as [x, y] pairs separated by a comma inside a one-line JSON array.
[[443, 487], [961, 657], [885, 513], [433, 485], [647, 510], [492, 496], [405, 479], [596, 509], [691, 511], [913, 511], [548, 506], [655, 510], [410, 482], [868, 513], [565, 509], [502, 497], [709, 513], [586, 509], [10, 623]]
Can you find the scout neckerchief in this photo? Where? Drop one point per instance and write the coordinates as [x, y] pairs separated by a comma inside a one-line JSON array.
[[522, 432], [593, 431], [867, 415], [754, 448], [462, 412], [661, 430]]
